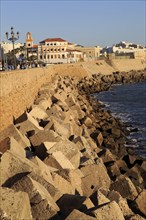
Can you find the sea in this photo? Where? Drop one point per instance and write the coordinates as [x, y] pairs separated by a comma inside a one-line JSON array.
[[128, 102]]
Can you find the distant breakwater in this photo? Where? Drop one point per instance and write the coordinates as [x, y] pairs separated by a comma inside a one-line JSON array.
[[66, 155]]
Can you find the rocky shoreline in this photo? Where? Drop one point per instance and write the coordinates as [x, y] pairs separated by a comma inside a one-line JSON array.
[[65, 157]]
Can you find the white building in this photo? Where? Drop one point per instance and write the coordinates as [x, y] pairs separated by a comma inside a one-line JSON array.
[[57, 50], [8, 46]]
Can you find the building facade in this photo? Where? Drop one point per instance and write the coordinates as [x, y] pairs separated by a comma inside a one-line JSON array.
[[58, 50]]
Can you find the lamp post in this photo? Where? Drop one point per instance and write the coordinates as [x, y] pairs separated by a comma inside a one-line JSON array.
[[13, 39]]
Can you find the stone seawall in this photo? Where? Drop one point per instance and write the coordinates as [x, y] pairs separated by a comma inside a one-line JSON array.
[[18, 89], [65, 157]]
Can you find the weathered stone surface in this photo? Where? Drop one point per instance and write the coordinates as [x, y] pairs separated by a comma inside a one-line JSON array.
[[59, 127], [115, 196], [76, 214], [14, 205], [11, 144], [136, 217], [69, 149], [74, 177], [37, 194], [26, 123], [62, 160], [12, 164], [110, 211], [12, 131], [106, 156], [45, 104], [38, 113], [140, 202], [70, 101], [125, 187], [46, 170], [62, 184], [41, 150], [44, 136], [95, 176]]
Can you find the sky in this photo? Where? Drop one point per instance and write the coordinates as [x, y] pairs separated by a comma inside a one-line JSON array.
[[85, 22]]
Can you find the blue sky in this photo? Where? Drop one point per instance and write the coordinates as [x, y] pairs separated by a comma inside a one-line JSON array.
[[88, 23]]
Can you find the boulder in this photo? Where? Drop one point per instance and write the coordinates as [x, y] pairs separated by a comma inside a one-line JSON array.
[[110, 211], [14, 205]]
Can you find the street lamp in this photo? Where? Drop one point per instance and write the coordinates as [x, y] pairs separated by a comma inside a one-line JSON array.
[[13, 39]]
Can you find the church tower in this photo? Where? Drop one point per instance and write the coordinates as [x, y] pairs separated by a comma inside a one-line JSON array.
[[29, 40]]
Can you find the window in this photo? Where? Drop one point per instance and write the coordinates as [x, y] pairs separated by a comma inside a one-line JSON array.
[[63, 56], [51, 56], [41, 57], [48, 56], [62, 49], [55, 56], [58, 55]]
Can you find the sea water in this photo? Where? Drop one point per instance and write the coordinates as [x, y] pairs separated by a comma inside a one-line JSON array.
[[128, 102]]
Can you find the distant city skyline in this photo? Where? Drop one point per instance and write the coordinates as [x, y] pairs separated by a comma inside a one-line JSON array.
[[88, 23]]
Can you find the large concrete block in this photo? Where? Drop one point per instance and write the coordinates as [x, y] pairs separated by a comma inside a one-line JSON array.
[[62, 184], [110, 211], [63, 161], [69, 149], [44, 136], [122, 202], [59, 127], [38, 113], [95, 177], [74, 177], [41, 150], [11, 144], [46, 170], [12, 131], [37, 194], [45, 104], [14, 205], [140, 202], [29, 124], [125, 187], [12, 165], [76, 214]]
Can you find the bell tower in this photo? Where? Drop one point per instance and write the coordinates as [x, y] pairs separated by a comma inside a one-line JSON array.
[[29, 40]]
